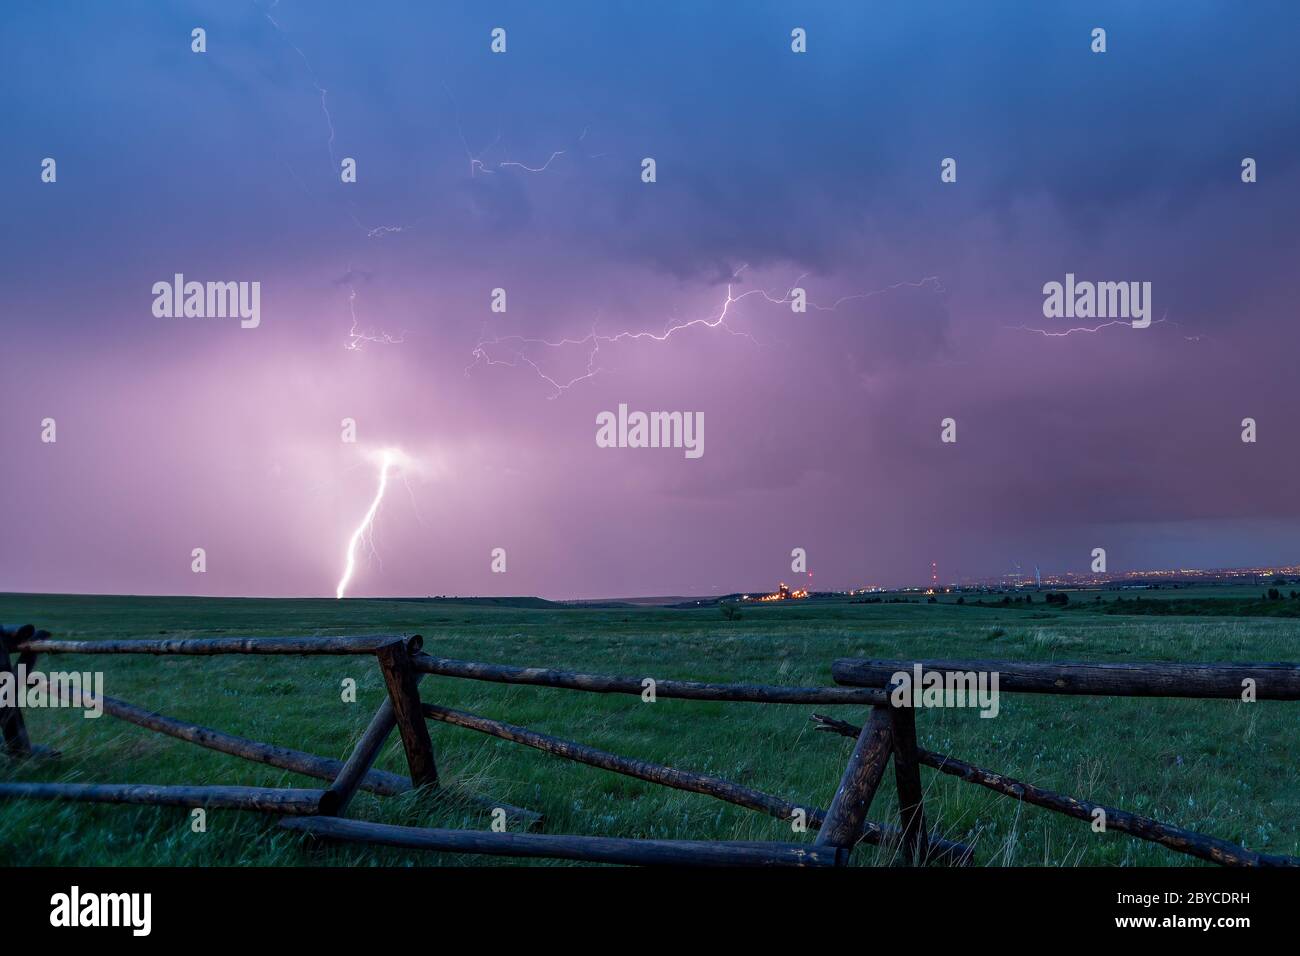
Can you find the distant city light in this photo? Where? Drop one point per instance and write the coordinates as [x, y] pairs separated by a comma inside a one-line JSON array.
[[782, 593]]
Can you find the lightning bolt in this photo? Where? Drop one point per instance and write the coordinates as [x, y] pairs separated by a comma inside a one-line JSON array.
[[356, 336], [370, 232], [476, 162], [1090, 330], [1095, 329], [594, 339], [478, 165], [387, 459], [315, 81]]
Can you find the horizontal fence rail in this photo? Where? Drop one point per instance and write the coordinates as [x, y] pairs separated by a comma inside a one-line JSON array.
[[1279, 681], [309, 765], [589, 849], [203, 646], [889, 735], [1223, 852], [1195, 844], [681, 689], [706, 784], [702, 783], [272, 799]]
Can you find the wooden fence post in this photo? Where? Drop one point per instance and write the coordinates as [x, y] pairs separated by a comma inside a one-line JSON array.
[[404, 695], [363, 756], [16, 741], [907, 775], [843, 824]]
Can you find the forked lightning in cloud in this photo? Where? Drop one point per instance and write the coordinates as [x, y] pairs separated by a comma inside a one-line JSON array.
[[477, 164], [357, 337], [315, 81], [1095, 329], [594, 339], [370, 232]]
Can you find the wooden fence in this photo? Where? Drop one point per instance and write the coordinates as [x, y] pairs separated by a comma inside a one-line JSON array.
[[889, 733]]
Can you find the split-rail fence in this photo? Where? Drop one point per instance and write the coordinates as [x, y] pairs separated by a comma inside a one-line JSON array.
[[889, 733]]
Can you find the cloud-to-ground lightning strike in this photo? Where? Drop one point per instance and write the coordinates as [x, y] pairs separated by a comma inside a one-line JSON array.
[[594, 339], [388, 457]]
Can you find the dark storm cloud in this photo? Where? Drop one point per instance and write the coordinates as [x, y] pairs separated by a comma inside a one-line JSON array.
[[821, 170]]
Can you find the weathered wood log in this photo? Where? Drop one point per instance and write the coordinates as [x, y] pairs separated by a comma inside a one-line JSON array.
[[365, 644], [340, 792], [857, 787], [1195, 844], [604, 684], [706, 784], [907, 777], [351, 774], [1277, 681], [404, 694], [267, 799], [379, 782], [26, 658], [589, 849], [641, 769], [309, 765], [13, 729]]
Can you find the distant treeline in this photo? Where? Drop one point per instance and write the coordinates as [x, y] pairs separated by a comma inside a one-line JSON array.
[[1271, 603], [1022, 600]]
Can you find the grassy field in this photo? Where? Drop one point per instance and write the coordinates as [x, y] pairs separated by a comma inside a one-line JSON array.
[[1220, 767]]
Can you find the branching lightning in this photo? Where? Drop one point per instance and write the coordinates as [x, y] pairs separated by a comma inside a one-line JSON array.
[[1095, 329], [593, 340], [315, 81], [1090, 330], [477, 164], [357, 336]]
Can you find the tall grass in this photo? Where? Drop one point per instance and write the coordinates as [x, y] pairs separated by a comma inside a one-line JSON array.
[[1221, 767]]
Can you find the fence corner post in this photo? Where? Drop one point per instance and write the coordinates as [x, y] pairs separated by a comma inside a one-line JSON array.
[[843, 824], [907, 776], [17, 743], [404, 694]]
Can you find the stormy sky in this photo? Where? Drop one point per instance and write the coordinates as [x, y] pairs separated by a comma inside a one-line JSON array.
[[523, 171]]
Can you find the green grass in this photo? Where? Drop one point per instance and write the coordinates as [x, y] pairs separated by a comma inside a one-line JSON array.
[[1215, 607], [1223, 768]]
